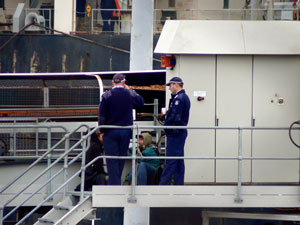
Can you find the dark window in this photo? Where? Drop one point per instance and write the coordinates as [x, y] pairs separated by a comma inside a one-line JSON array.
[[171, 3], [1, 3], [226, 4]]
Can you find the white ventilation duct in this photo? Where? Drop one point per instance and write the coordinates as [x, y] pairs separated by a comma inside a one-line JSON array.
[[34, 17], [18, 18]]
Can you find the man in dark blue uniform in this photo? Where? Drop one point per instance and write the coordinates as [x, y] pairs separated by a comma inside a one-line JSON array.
[[109, 16], [116, 109], [177, 115]]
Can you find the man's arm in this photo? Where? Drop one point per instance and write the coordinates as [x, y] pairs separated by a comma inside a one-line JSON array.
[[137, 100], [102, 109]]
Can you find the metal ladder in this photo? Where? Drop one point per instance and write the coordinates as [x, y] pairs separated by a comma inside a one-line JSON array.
[[66, 212]]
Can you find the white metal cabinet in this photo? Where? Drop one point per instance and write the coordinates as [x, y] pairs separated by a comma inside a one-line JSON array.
[[275, 77], [233, 108]]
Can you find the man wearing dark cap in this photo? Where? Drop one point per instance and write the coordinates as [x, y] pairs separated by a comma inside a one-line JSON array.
[[116, 109], [177, 115]]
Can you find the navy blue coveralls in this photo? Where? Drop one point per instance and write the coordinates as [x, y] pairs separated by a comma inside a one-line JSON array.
[[178, 115], [107, 15], [116, 109]]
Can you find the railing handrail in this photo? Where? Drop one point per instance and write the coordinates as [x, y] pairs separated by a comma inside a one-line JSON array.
[[37, 161], [40, 158], [179, 9], [41, 187], [134, 157], [81, 170]]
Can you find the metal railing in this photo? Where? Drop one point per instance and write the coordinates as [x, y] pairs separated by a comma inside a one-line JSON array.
[[31, 142], [240, 158], [123, 23], [94, 24], [47, 154]]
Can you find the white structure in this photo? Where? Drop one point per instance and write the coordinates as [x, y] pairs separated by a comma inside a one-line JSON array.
[[141, 39], [64, 16], [249, 73], [19, 18]]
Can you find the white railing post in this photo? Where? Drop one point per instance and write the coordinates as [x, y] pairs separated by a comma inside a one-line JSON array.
[[1, 215], [132, 198], [49, 160], [37, 139], [67, 145], [15, 139], [83, 168], [238, 198]]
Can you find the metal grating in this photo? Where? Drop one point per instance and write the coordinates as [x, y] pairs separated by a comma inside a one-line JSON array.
[[74, 97]]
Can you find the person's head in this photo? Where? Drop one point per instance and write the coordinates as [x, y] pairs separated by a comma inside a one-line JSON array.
[[96, 137], [118, 79], [145, 140], [141, 140], [175, 84], [99, 136]]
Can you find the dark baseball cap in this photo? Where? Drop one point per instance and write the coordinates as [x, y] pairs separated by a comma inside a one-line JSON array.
[[118, 77], [175, 80]]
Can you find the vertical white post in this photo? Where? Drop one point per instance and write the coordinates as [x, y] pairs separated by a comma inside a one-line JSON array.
[[64, 15], [49, 173], [67, 146], [239, 198], [141, 41], [205, 218], [136, 216], [254, 9], [46, 97], [1, 215], [270, 9], [83, 168]]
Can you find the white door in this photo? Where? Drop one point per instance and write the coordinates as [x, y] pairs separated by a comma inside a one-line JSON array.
[[198, 74], [276, 103], [233, 109]]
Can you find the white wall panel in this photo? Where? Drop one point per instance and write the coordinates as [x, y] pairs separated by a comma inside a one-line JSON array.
[[198, 74], [274, 78], [234, 96]]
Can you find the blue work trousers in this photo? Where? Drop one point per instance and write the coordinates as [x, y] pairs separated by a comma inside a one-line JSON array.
[[145, 174], [108, 21], [116, 143], [174, 167]]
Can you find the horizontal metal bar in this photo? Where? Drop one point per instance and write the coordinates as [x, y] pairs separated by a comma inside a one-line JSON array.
[[56, 107], [207, 10], [261, 216], [194, 157], [32, 126], [158, 157], [208, 128]]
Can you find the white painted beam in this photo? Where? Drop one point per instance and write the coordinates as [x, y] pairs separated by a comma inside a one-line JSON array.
[[257, 216], [197, 196]]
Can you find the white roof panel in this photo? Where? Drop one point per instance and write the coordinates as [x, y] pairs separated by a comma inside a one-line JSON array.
[[230, 37]]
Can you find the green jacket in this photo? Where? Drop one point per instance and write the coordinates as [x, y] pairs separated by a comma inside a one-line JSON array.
[[149, 151]]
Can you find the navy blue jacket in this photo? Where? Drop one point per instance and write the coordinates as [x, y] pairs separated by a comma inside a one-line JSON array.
[[116, 106], [178, 113]]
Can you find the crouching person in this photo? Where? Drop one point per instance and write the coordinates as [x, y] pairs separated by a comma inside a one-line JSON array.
[[94, 174], [146, 168]]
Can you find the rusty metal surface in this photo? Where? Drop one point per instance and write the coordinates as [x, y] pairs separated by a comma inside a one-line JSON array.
[[57, 53]]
